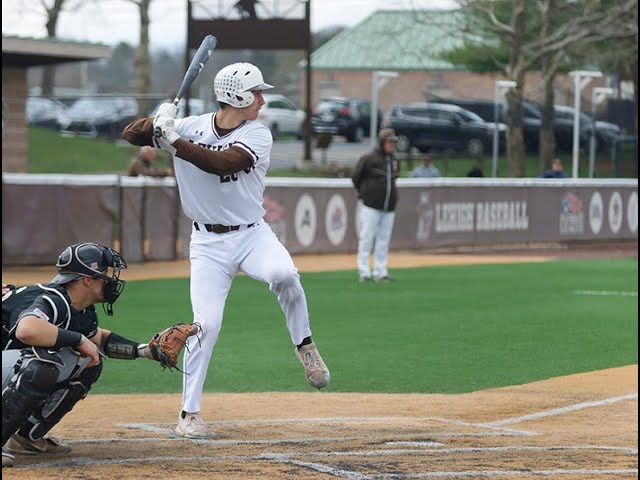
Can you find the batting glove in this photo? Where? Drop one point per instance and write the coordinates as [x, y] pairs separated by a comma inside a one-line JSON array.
[[167, 128], [164, 145], [167, 110]]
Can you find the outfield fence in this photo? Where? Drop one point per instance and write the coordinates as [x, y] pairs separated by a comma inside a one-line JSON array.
[[142, 217]]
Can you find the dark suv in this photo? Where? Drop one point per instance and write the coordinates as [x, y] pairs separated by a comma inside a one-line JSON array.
[[485, 110], [442, 127], [606, 132], [348, 117]]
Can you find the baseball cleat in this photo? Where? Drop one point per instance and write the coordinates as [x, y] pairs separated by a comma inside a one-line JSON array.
[[192, 426], [25, 446], [315, 370], [7, 458]]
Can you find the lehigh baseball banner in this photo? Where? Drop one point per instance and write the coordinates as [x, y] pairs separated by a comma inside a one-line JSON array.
[[143, 219]]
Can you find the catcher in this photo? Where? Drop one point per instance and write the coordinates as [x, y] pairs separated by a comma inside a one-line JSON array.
[[52, 346]]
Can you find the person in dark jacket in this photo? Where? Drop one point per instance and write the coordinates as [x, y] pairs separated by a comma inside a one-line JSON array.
[[375, 179]]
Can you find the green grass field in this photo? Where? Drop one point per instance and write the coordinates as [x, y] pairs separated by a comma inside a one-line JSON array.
[[436, 330]]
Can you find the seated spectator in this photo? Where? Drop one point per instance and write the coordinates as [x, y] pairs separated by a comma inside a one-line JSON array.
[[556, 170], [143, 164], [426, 169], [476, 171]]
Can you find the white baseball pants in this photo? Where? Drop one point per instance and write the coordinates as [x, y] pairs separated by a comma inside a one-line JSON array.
[[215, 261], [375, 225]]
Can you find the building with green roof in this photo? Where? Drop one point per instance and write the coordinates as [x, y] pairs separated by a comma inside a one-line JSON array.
[[409, 42]]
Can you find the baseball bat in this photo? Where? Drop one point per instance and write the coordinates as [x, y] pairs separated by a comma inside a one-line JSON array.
[[195, 67]]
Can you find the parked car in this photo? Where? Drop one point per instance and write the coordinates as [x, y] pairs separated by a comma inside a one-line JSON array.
[[281, 115], [485, 109], [606, 132], [46, 112], [442, 127], [100, 116], [348, 117]]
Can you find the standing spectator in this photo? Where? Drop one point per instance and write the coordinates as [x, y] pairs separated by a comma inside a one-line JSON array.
[[556, 170], [375, 179], [476, 171], [143, 164], [426, 169]]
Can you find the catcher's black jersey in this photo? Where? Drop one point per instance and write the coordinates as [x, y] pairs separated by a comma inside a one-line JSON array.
[[51, 303]]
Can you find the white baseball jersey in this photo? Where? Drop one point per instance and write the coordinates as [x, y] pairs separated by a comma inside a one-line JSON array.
[[232, 199]]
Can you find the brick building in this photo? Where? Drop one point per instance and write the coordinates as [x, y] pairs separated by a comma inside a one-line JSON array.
[[410, 42]]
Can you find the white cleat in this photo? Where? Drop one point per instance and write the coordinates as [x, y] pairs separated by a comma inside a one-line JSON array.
[[7, 458], [192, 426], [315, 370]]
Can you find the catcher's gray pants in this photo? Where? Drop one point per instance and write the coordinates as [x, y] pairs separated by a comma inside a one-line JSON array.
[[70, 358], [39, 387]]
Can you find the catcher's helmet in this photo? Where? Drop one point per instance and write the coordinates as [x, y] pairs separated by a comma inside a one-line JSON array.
[[93, 260], [234, 83]]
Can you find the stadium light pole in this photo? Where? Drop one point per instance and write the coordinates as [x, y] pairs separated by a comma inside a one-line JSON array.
[[379, 79], [581, 79], [596, 95], [498, 87]]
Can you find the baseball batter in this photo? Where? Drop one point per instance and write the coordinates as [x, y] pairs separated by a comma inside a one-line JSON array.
[[221, 161]]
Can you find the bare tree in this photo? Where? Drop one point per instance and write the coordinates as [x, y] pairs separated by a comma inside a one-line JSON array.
[[561, 25], [142, 61]]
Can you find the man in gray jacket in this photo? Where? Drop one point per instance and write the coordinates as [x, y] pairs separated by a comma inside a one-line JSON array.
[[375, 179]]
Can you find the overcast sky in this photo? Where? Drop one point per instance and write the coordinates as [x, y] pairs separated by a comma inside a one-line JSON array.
[[113, 21]]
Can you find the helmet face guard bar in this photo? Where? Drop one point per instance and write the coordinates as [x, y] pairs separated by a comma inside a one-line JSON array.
[[94, 261]]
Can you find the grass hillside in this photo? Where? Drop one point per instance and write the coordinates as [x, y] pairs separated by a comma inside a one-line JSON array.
[[50, 152]]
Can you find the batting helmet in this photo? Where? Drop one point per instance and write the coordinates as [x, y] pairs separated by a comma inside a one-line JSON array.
[[92, 260], [234, 83]]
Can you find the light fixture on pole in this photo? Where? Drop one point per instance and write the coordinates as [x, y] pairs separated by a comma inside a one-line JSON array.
[[596, 95], [581, 79], [498, 87], [379, 79]]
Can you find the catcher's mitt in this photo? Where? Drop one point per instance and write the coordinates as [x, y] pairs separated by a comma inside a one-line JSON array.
[[165, 346]]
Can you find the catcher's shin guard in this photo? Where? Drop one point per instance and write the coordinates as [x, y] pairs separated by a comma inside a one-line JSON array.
[[64, 397], [35, 379]]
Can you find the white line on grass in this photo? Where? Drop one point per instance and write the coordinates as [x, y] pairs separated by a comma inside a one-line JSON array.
[[607, 293], [561, 410]]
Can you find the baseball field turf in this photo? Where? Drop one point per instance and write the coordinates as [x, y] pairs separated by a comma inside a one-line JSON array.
[[447, 329]]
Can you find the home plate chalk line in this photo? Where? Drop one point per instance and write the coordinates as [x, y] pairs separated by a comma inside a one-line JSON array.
[[425, 447]]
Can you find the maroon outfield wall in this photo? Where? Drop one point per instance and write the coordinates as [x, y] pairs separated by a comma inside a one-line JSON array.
[[41, 214]]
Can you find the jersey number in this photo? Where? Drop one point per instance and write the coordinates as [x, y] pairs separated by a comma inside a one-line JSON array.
[[229, 178]]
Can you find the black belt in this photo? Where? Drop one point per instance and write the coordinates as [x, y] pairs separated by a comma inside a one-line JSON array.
[[220, 228]]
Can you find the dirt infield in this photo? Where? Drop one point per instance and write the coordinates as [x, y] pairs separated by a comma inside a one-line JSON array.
[[577, 427], [582, 426]]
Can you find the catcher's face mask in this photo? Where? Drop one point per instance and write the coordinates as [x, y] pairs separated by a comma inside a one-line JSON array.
[[95, 261]]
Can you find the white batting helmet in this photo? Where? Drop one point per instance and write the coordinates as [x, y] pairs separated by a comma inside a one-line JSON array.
[[233, 84]]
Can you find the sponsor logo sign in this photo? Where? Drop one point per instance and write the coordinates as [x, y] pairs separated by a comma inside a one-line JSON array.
[[336, 219], [571, 214], [305, 220]]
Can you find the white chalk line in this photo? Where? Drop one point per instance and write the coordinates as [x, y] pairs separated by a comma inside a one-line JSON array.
[[605, 293], [288, 457], [176, 438], [562, 410], [169, 431]]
